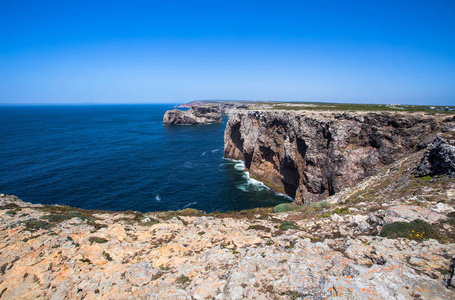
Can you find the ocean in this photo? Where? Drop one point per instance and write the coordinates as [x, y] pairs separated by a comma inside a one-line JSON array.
[[121, 157]]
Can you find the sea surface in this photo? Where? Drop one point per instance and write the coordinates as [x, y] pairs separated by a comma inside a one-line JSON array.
[[121, 157]]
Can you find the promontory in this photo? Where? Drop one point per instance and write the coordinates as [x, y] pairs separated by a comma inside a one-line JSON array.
[[204, 114], [312, 154]]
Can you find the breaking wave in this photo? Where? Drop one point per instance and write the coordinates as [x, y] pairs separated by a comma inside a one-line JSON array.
[[189, 204]]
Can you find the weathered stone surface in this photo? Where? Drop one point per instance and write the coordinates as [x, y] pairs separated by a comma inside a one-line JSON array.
[[438, 159], [205, 114], [311, 155], [218, 256]]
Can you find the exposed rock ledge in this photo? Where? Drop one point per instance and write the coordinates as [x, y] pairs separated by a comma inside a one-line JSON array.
[[58, 252], [310, 155], [195, 115]]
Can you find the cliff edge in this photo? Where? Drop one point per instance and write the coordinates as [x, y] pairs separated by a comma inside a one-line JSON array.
[[310, 155]]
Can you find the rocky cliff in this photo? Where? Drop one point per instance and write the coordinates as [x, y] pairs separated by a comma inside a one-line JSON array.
[[391, 236], [310, 155], [205, 114]]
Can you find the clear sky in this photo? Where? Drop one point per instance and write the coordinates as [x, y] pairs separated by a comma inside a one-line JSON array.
[[375, 51]]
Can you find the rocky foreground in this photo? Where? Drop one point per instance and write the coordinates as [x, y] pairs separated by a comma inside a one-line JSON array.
[[353, 246]]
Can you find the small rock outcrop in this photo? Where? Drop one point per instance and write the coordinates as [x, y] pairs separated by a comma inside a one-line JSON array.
[[310, 155], [438, 159], [195, 115]]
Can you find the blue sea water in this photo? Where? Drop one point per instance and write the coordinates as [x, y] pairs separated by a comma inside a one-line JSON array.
[[121, 157]]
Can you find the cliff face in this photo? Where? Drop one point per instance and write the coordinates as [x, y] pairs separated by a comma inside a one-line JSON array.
[[195, 115], [311, 155]]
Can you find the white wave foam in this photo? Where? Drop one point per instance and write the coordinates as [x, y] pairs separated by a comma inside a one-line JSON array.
[[158, 198], [189, 204], [188, 164], [242, 187], [215, 150], [240, 166], [259, 185], [255, 182], [251, 183], [232, 160], [204, 153]]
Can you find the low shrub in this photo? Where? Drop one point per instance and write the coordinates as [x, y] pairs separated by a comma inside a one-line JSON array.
[[288, 225], [285, 207], [259, 227], [96, 239], [321, 204], [149, 222], [34, 225], [190, 212], [416, 230], [107, 256], [342, 211], [182, 279]]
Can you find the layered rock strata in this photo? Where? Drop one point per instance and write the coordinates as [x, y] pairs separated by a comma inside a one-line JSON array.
[[310, 155], [195, 115]]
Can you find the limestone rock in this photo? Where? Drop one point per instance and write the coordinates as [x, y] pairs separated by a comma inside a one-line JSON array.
[[195, 115], [216, 257]]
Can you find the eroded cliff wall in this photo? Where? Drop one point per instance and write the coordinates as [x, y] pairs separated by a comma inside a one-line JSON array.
[[310, 155]]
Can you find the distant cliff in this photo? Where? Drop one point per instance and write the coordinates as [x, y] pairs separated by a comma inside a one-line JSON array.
[[310, 155], [195, 115]]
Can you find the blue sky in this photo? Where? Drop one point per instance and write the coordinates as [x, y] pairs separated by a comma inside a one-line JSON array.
[[178, 51]]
